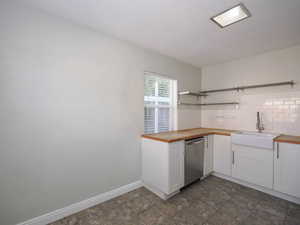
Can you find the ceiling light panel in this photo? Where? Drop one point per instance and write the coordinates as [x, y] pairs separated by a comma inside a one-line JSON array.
[[231, 16]]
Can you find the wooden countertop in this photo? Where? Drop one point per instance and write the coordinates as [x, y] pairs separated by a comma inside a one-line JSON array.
[[186, 134], [180, 135], [288, 139]]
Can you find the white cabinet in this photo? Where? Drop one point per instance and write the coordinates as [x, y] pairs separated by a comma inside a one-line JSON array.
[[163, 166], [253, 165], [176, 166], [287, 169], [222, 154], [208, 155]]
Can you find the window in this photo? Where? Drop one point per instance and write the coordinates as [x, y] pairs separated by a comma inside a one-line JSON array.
[[160, 111]]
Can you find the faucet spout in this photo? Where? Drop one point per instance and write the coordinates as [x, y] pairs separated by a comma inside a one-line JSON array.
[[259, 123]]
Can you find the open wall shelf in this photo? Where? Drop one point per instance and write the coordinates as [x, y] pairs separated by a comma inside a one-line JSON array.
[[191, 93], [207, 104], [239, 88]]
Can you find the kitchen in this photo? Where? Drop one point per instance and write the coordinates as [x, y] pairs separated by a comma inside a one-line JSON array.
[[249, 133], [150, 112]]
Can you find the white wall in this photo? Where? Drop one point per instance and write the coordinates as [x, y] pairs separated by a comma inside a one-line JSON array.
[[280, 105], [71, 111]]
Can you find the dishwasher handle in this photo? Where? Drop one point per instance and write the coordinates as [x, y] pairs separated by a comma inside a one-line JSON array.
[[195, 142]]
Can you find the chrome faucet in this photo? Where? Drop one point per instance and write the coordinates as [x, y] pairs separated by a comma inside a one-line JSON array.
[[259, 123]]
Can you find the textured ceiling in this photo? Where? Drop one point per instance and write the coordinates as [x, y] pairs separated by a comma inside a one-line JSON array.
[[182, 29]]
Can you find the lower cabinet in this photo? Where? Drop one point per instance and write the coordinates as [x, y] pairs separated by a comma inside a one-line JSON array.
[[278, 169], [163, 166], [287, 169], [208, 155], [253, 165], [222, 154], [176, 166]]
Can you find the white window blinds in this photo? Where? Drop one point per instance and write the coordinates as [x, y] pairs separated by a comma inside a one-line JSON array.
[[159, 103]]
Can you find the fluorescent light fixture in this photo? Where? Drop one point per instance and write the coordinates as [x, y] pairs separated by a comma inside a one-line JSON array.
[[231, 16]]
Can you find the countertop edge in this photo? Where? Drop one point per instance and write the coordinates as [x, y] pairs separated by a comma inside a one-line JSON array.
[[184, 138], [283, 138]]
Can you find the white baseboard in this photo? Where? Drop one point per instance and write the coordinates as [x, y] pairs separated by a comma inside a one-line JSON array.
[[79, 206], [259, 188], [159, 193]]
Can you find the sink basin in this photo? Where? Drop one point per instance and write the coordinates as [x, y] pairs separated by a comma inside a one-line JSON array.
[[254, 139]]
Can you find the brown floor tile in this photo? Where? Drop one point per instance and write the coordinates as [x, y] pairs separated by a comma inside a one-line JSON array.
[[153, 216], [221, 219], [274, 207], [291, 221], [213, 201], [294, 211], [262, 220]]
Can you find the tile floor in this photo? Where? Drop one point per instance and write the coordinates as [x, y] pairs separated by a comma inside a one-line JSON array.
[[213, 201]]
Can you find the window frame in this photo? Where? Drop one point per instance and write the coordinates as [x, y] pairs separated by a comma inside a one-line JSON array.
[[172, 100]]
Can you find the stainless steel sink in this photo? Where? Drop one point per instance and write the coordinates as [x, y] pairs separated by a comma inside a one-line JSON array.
[[254, 139]]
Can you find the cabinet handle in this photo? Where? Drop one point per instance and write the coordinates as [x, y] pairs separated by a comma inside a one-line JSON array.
[[277, 150], [233, 158], [195, 143]]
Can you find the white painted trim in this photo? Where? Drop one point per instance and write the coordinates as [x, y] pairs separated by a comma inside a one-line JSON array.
[[160, 194], [259, 188], [79, 206]]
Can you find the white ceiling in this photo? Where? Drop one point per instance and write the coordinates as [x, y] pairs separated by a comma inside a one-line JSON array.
[[182, 28]]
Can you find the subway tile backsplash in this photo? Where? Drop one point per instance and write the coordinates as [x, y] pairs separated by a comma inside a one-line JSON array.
[[280, 112]]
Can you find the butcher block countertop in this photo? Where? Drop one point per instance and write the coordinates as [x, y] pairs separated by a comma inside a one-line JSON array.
[[186, 134], [180, 135], [288, 139]]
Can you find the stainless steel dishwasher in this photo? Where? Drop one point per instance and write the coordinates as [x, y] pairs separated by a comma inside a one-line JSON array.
[[194, 160]]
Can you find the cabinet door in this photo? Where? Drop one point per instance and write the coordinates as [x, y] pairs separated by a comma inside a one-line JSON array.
[[155, 164], [287, 169], [222, 154], [208, 156], [176, 166], [253, 165]]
